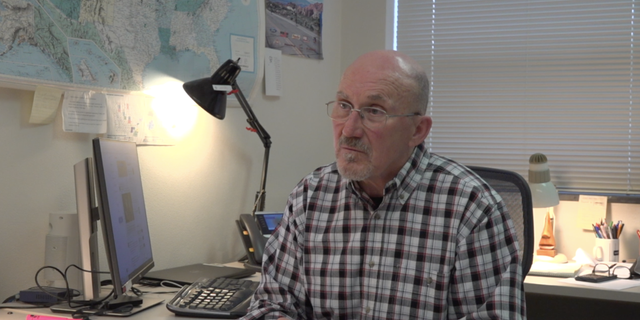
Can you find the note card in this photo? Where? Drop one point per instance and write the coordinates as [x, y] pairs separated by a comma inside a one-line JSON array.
[[45, 104], [272, 72], [84, 111], [591, 209]]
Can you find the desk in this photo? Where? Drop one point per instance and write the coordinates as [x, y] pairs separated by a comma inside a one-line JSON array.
[[158, 312], [547, 298]]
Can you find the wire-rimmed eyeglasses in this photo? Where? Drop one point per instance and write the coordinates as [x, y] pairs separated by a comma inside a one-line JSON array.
[[372, 117], [622, 272]]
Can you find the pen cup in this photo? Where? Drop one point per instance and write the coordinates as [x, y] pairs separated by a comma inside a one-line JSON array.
[[606, 250]]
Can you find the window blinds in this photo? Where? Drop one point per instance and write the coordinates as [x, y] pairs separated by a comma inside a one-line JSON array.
[[513, 78]]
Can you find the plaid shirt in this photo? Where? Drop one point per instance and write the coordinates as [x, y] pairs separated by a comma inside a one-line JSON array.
[[439, 246]]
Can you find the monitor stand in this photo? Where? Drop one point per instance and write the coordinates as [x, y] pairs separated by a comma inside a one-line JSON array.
[[145, 304]]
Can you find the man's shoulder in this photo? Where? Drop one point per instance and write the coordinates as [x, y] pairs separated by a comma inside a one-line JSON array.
[[449, 169], [322, 175]]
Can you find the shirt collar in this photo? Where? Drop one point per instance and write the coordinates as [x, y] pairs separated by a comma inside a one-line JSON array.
[[411, 173]]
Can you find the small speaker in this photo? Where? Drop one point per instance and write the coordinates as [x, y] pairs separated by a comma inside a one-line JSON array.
[[62, 248], [55, 254]]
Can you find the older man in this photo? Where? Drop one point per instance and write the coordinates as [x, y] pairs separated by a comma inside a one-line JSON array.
[[389, 231]]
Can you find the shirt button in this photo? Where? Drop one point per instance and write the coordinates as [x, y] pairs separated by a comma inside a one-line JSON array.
[[402, 197], [367, 309], [429, 281], [376, 216], [372, 264]]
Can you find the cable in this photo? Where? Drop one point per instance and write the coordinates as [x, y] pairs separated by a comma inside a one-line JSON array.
[[136, 291], [80, 307], [166, 284], [170, 284], [11, 298], [68, 293]]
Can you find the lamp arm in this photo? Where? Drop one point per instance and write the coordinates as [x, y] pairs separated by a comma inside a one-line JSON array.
[[251, 117], [266, 141]]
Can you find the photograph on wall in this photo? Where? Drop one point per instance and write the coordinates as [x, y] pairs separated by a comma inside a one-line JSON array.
[[294, 27]]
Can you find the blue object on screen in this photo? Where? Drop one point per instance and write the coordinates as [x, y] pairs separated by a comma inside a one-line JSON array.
[[268, 221]]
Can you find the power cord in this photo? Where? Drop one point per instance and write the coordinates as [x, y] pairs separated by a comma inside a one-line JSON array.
[[79, 305], [68, 292], [83, 309]]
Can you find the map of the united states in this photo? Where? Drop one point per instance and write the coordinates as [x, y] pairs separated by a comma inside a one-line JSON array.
[[121, 44]]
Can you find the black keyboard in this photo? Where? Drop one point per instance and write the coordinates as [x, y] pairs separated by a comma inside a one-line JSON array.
[[214, 298]]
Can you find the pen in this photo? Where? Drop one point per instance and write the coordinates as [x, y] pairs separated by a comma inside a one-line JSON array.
[[603, 229], [601, 232]]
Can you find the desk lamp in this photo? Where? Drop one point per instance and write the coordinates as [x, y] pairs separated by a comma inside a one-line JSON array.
[[544, 195], [211, 94]]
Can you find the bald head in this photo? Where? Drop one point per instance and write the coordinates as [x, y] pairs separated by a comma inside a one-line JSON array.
[[401, 71]]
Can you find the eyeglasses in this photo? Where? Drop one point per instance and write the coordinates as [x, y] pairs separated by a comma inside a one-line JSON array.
[[371, 117], [622, 272]]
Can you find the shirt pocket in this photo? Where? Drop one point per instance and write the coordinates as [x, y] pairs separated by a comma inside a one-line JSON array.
[[428, 287]]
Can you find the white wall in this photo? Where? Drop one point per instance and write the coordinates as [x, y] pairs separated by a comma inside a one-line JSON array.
[[570, 237], [364, 28], [195, 189]]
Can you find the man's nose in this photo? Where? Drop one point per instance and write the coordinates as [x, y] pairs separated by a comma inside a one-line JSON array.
[[353, 125]]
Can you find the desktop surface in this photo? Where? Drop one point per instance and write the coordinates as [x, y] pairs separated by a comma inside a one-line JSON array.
[[547, 298], [555, 286], [152, 294], [63, 309], [550, 298]]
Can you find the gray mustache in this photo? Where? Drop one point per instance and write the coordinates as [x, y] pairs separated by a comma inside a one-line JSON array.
[[355, 143]]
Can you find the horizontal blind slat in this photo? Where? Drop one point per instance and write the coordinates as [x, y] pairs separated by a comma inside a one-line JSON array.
[[509, 79]]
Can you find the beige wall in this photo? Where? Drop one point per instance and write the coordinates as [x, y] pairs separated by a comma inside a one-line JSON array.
[[570, 237], [194, 190], [364, 28]]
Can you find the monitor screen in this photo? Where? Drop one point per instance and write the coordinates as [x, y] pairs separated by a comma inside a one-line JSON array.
[[122, 212], [268, 221]]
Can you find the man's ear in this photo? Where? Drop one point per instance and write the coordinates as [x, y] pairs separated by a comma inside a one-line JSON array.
[[422, 130]]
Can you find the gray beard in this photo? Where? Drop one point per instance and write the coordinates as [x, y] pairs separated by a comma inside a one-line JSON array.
[[355, 174]]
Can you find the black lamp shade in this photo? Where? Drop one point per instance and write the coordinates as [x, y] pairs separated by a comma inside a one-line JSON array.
[[202, 92], [213, 102]]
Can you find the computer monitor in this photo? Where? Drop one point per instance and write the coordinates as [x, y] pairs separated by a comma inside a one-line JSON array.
[[109, 189], [88, 216], [123, 216]]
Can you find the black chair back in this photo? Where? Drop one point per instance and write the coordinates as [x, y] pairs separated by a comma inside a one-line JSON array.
[[515, 192]]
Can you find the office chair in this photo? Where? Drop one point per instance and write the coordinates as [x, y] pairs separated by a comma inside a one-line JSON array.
[[516, 194]]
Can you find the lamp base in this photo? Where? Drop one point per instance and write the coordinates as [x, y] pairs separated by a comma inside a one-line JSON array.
[[546, 252]]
